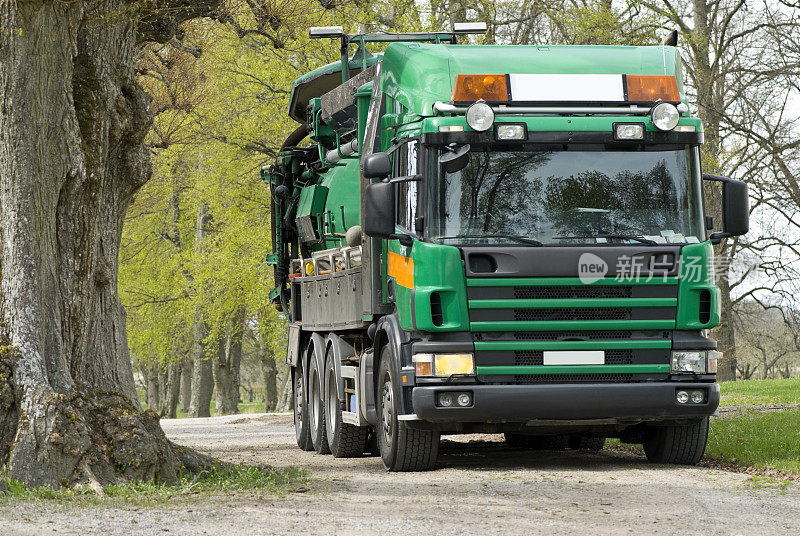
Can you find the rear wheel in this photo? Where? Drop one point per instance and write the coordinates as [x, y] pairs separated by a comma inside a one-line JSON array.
[[345, 440], [678, 444], [316, 411], [300, 411], [402, 448]]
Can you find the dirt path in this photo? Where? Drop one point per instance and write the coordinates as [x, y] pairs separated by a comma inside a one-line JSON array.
[[480, 488]]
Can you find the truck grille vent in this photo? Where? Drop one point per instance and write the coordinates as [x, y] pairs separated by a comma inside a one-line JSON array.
[[536, 357], [610, 335], [574, 313], [582, 291], [573, 378]]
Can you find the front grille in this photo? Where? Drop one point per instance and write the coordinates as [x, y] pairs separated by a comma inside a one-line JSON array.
[[536, 357], [573, 378], [574, 313], [575, 335], [566, 292]]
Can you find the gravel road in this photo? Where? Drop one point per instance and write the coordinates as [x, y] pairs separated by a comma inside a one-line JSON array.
[[481, 487]]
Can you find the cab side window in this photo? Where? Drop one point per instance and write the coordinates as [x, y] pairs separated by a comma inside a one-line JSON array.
[[406, 161]]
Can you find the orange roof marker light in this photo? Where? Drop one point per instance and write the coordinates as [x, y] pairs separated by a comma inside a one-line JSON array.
[[473, 87], [650, 88]]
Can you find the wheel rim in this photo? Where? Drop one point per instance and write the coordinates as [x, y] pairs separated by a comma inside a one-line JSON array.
[[313, 405], [387, 413], [333, 401], [298, 399]]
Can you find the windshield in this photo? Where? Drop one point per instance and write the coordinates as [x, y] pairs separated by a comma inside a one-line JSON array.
[[564, 197]]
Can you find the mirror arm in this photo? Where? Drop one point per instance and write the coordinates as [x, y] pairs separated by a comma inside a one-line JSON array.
[[718, 237], [404, 239], [410, 178]]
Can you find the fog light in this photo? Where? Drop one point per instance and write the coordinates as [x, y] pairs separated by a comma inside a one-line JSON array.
[[665, 116], [682, 397], [445, 399], [698, 397], [628, 131], [510, 132], [480, 116], [464, 399]]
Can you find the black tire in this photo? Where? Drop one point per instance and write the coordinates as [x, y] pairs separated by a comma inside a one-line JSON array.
[[316, 410], [582, 442], [402, 448], [517, 441], [677, 444], [345, 440], [300, 410]]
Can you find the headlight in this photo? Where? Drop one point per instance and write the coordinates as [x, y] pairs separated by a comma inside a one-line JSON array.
[[480, 116], [691, 361], [665, 116], [443, 365]]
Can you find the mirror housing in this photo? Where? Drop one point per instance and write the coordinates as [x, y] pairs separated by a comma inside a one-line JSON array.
[[456, 158], [735, 207], [377, 166], [379, 206]]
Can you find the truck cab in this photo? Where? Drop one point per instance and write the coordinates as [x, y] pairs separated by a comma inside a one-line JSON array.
[[499, 239]]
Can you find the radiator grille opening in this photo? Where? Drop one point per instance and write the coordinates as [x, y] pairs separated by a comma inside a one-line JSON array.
[[573, 378], [566, 292], [573, 313]]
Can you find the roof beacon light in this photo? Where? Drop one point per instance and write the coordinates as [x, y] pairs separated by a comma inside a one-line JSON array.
[[480, 116], [665, 116], [319, 32], [473, 87], [650, 88]]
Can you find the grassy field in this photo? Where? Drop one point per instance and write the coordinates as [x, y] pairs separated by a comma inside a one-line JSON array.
[[761, 392]]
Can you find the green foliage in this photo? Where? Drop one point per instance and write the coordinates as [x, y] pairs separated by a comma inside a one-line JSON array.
[[210, 481], [762, 440], [785, 391]]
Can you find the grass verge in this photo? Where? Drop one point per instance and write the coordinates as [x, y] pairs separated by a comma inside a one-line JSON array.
[[760, 392], [768, 441], [211, 481]]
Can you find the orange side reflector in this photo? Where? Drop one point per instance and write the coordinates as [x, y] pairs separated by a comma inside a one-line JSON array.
[[405, 378], [650, 88], [473, 87]]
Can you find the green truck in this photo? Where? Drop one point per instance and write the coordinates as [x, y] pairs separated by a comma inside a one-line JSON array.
[[497, 239]]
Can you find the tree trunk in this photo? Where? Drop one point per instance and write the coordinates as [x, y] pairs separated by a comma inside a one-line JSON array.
[[202, 379], [152, 390], [227, 366], [270, 383], [170, 390], [285, 399], [72, 125], [186, 384]]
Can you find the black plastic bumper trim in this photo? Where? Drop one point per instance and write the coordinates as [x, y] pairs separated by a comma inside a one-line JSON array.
[[522, 403]]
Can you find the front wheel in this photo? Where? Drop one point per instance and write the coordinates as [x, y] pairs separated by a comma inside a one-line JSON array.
[[300, 410], [402, 448], [677, 444]]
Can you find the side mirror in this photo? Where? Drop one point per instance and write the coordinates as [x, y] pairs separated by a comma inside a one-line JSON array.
[[456, 158], [379, 205], [377, 166], [735, 207]]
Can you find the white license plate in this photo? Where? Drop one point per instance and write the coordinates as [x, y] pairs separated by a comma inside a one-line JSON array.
[[586, 357]]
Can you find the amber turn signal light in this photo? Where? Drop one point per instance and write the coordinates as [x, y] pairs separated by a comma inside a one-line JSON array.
[[473, 87], [650, 88]]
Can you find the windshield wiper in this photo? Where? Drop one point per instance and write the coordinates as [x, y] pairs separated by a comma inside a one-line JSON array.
[[612, 237], [520, 239]]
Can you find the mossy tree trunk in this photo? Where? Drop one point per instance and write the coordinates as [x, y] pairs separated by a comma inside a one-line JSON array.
[[72, 125]]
